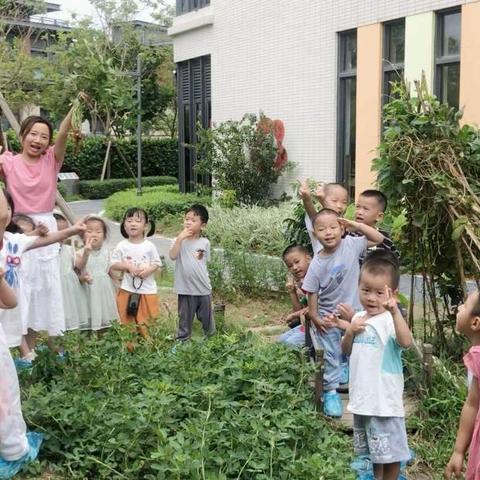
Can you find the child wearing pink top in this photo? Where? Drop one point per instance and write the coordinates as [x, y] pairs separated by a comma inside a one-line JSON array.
[[31, 179], [468, 436]]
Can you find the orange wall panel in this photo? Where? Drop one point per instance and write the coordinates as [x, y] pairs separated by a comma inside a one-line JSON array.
[[470, 63], [369, 91]]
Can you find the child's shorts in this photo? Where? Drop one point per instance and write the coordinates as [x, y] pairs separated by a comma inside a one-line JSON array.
[[383, 438]]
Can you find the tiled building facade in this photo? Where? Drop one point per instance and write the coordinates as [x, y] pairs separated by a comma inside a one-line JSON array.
[[323, 67]]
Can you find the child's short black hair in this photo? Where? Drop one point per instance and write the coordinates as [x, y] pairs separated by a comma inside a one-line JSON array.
[[12, 227], [381, 262], [295, 248], [378, 196], [20, 217], [137, 212], [199, 211], [59, 216], [322, 212]]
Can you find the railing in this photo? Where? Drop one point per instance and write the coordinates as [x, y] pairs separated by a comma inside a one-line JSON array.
[[35, 21]]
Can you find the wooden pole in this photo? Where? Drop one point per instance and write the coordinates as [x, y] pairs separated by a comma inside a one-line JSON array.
[[9, 114], [60, 201], [105, 162]]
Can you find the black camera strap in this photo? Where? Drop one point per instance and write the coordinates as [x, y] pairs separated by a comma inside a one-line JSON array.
[[139, 286]]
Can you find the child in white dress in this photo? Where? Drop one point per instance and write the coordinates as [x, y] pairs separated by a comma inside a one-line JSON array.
[[17, 447], [74, 296], [93, 261]]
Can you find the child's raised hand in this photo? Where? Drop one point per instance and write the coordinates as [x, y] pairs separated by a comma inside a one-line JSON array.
[[345, 312], [185, 233], [41, 229], [304, 190], [390, 303], [348, 224], [80, 225], [358, 325], [83, 96], [455, 466], [88, 247], [320, 192]]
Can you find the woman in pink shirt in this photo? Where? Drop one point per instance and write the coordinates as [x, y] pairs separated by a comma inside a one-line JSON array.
[[31, 179]]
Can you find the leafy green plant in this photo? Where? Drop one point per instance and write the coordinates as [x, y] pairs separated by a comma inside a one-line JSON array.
[[231, 407], [104, 188], [242, 156], [439, 414], [252, 229], [158, 202]]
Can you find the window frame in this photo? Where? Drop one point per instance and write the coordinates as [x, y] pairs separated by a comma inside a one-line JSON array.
[[388, 66], [445, 60], [343, 75], [186, 6], [197, 99]]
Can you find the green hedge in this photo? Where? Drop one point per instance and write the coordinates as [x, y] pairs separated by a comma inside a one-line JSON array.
[[102, 189], [159, 156], [157, 202]]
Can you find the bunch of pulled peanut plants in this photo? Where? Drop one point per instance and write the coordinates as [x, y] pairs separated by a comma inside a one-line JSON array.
[[429, 168]]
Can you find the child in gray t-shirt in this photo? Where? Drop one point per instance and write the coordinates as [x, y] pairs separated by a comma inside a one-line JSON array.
[[191, 253], [332, 278]]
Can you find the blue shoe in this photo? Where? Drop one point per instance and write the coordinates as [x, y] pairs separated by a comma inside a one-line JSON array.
[[345, 373], [9, 469], [22, 364], [332, 404], [363, 468]]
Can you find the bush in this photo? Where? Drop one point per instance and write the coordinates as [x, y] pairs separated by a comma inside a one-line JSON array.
[[237, 271], [159, 156], [253, 229], [243, 157], [158, 202], [104, 188], [232, 407]]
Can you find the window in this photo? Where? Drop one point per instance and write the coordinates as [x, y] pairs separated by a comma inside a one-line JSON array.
[[347, 94], [393, 56], [194, 110], [184, 6], [447, 71]]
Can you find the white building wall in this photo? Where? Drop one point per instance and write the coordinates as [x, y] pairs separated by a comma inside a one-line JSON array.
[[280, 57]]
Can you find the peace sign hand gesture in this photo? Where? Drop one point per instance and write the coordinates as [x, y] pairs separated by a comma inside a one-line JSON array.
[[390, 303]]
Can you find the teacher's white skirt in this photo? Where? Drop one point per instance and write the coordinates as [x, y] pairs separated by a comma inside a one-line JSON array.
[[41, 285]]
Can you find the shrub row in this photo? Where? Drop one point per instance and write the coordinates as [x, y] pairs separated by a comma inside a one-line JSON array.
[[234, 271], [158, 202], [159, 156], [102, 189]]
